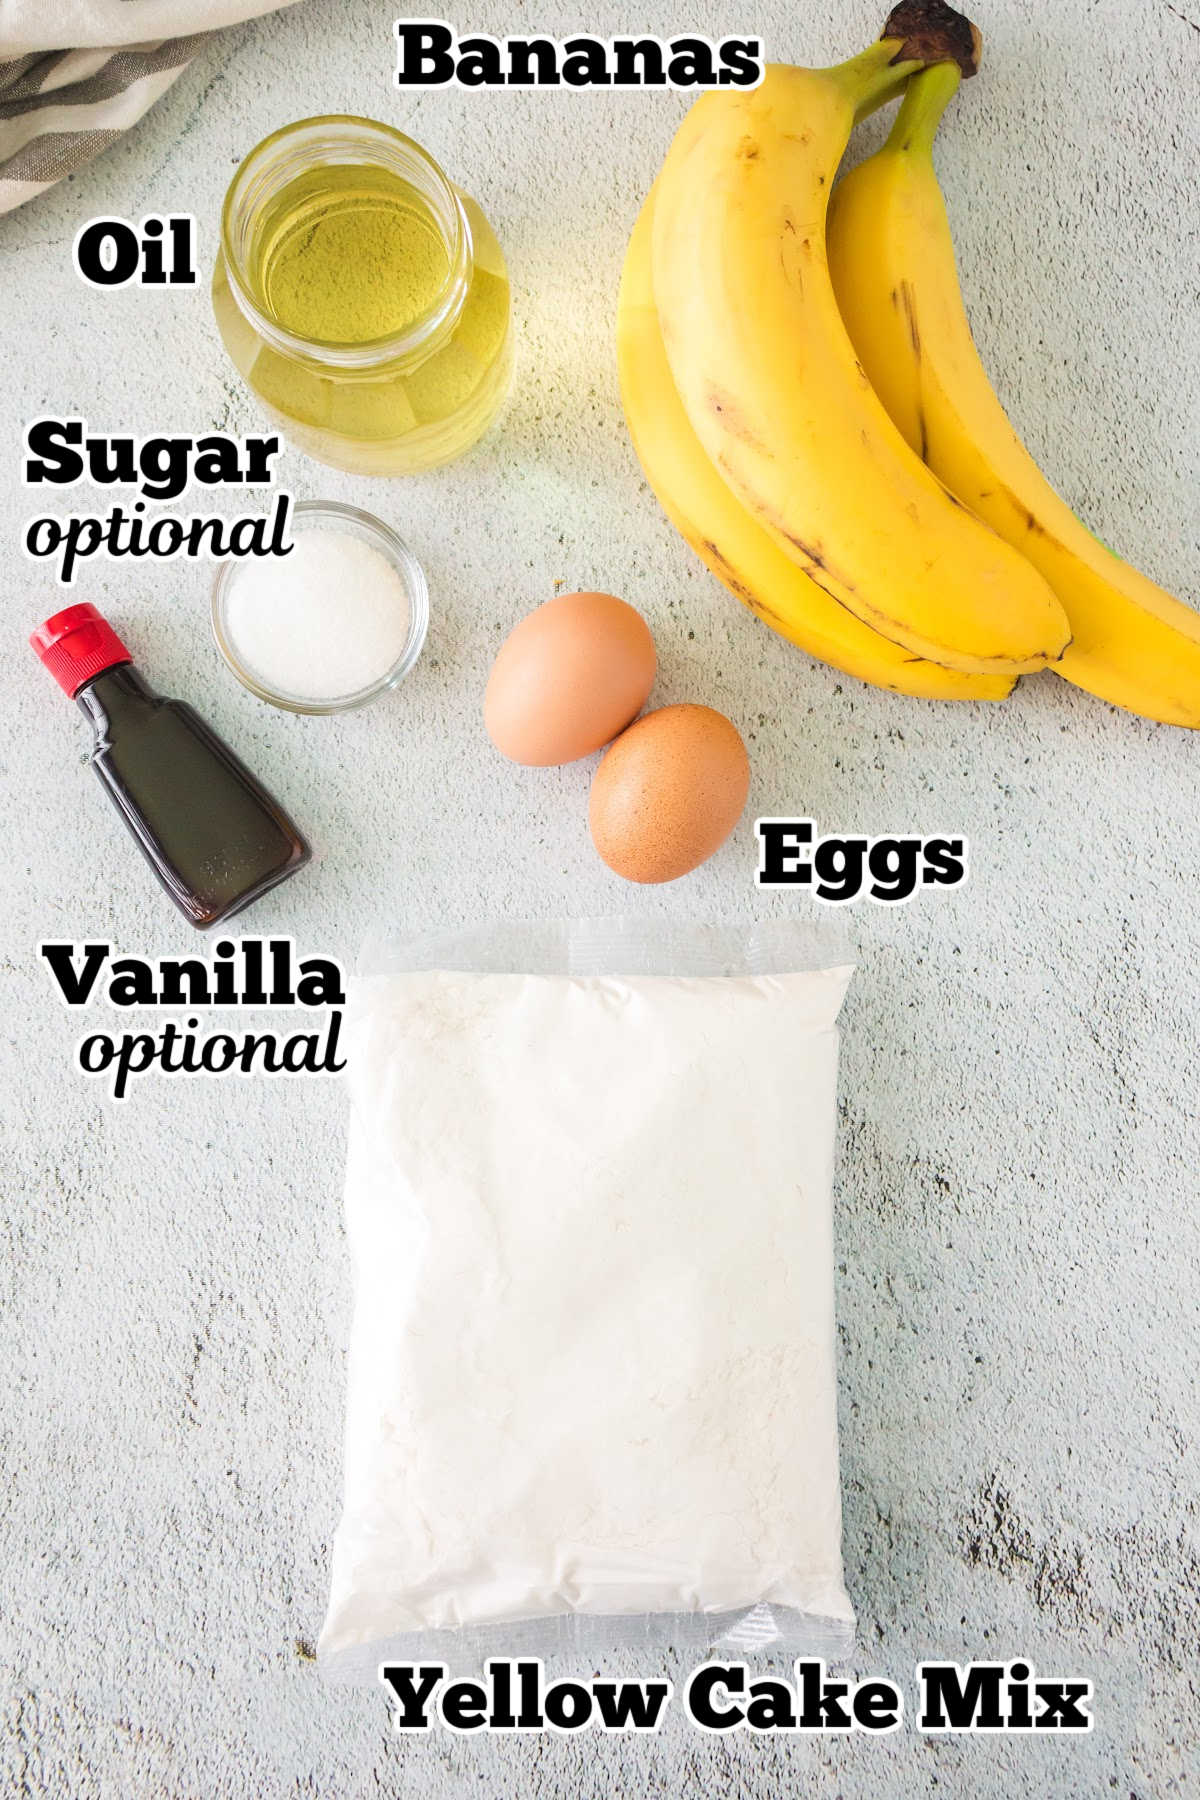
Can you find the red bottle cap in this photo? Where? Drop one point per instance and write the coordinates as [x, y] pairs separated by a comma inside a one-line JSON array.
[[77, 644]]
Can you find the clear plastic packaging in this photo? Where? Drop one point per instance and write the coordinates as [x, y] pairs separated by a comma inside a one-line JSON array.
[[592, 1402]]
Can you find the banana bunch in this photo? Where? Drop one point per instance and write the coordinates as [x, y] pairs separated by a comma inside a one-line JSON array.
[[807, 403]]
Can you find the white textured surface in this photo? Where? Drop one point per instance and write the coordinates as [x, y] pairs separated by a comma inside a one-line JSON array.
[[1017, 1213]]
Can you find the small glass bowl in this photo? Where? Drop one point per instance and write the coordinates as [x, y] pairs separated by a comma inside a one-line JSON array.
[[355, 523]]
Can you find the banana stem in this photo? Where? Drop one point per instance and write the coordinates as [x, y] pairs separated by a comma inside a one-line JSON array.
[[932, 32], [882, 72], [872, 78], [920, 114]]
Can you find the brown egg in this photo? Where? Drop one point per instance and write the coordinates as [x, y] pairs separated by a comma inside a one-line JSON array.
[[668, 793], [568, 678]]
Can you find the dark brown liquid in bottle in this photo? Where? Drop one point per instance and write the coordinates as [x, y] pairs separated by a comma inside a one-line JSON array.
[[210, 831]]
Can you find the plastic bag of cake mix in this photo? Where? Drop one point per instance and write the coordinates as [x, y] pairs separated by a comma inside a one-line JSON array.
[[591, 1378]]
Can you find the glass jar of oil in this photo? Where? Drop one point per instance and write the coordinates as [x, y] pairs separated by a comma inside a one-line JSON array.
[[362, 297]]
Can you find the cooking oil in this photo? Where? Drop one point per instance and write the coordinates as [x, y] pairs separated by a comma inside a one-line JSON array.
[[363, 298], [348, 255]]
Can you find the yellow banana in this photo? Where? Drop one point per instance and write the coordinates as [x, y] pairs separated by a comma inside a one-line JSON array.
[[738, 550], [769, 379], [893, 268]]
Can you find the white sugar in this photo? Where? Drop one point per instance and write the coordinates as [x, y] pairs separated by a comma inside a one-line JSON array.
[[325, 622]]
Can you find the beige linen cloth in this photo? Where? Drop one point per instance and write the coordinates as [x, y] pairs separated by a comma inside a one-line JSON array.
[[75, 74]]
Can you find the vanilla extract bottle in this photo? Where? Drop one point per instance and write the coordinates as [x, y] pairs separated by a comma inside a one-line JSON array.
[[214, 836]]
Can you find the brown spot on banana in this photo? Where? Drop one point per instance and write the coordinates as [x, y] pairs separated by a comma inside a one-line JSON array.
[[812, 553], [746, 595], [815, 566], [1029, 520], [716, 559], [909, 304], [814, 562], [725, 408], [748, 150], [791, 275], [811, 571], [712, 554], [758, 607]]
